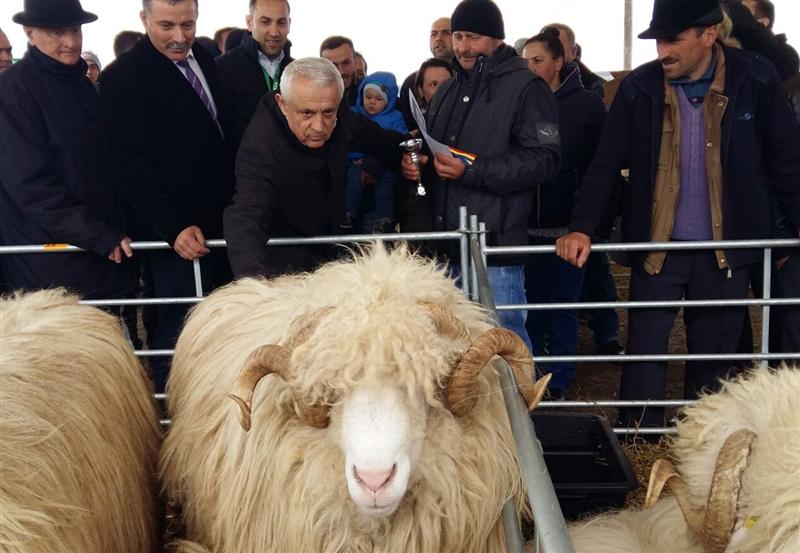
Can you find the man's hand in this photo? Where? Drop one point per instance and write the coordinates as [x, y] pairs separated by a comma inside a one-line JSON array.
[[190, 243], [367, 179], [124, 247], [449, 167], [409, 168], [574, 248]]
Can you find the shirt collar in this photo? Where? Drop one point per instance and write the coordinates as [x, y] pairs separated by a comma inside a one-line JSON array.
[[707, 76]]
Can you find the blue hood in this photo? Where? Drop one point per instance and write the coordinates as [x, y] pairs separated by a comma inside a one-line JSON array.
[[388, 82]]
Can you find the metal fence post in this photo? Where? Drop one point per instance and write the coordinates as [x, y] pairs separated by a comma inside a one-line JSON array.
[[464, 244], [765, 309], [551, 530], [198, 278], [473, 228]]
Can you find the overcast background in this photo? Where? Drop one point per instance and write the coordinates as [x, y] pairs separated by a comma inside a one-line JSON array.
[[393, 36]]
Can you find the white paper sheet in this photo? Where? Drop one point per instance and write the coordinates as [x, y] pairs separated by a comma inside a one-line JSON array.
[[434, 145]]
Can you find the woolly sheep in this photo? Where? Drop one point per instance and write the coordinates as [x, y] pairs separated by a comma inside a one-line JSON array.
[[362, 444], [737, 485], [78, 431]]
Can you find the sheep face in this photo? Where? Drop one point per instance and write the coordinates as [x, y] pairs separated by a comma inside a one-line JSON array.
[[381, 437]]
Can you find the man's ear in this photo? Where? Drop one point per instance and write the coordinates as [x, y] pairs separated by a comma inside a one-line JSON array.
[[281, 103], [249, 20], [28, 33], [143, 17], [764, 21]]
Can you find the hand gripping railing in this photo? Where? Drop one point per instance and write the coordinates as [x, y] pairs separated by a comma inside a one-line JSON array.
[[551, 530], [766, 302]]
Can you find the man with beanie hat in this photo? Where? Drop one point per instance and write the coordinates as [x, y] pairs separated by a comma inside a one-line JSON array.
[[707, 135], [53, 185], [501, 122]]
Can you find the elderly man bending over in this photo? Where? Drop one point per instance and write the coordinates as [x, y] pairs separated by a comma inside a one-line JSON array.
[[290, 170]]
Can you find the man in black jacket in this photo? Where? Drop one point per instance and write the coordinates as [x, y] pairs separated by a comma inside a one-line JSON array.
[[291, 170], [163, 129], [706, 133], [254, 68], [53, 185], [504, 120]]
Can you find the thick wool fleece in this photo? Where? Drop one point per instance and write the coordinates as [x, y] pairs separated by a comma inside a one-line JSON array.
[[281, 487]]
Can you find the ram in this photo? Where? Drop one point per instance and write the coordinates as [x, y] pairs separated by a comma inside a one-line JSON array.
[[78, 431], [737, 483], [372, 424]]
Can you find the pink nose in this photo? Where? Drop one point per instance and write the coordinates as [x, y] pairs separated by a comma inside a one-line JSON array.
[[373, 480]]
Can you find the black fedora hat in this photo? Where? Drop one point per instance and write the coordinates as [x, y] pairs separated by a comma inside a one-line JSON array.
[[671, 17], [53, 13]]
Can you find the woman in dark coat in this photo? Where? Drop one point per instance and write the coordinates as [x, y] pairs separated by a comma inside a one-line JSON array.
[[548, 278]]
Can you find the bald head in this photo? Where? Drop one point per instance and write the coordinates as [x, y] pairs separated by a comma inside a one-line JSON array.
[[441, 39], [5, 52]]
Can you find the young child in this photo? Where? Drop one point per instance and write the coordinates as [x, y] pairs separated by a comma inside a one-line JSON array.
[[377, 96]]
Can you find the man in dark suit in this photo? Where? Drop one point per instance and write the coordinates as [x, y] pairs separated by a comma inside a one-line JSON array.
[[164, 135], [254, 68]]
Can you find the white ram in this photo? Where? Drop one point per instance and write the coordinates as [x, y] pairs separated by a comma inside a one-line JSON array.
[[364, 437], [78, 431], [737, 484]]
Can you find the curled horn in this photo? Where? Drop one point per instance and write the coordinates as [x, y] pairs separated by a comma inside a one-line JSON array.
[[274, 359], [460, 391], [713, 525]]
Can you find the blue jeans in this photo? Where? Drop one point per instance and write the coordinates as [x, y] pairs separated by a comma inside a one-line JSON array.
[[383, 191], [550, 279], [508, 287]]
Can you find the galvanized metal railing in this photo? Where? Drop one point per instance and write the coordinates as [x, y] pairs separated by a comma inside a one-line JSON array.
[[766, 302], [550, 528]]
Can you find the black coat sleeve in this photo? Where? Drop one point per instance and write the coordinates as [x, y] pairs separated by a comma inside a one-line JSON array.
[[368, 137], [124, 115], [31, 182], [602, 176], [246, 222]]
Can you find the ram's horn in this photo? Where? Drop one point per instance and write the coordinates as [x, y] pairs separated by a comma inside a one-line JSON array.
[[268, 359], [713, 525], [273, 359], [445, 321], [461, 389]]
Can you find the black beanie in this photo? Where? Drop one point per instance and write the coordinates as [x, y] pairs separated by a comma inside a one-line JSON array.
[[478, 16]]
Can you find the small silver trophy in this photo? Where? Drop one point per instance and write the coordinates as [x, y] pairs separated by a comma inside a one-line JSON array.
[[413, 147]]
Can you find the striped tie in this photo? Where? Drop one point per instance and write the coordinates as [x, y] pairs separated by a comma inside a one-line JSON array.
[[193, 79]]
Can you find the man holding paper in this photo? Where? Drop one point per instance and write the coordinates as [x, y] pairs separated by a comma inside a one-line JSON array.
[[499, 122]]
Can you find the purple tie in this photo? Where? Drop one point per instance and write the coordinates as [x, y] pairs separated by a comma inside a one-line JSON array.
[[193, 79]]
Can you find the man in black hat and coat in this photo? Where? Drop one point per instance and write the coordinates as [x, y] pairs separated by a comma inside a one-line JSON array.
[[53, 185], [503, 121], [707, 134]]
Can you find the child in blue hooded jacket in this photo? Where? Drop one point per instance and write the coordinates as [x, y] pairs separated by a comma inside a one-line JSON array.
[[377, 96]]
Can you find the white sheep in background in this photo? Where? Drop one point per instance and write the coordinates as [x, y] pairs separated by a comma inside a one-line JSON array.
[[361, 441], [737, 483], [78, 431]]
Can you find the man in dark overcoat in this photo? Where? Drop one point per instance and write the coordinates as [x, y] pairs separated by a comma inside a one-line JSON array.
[[53, 184], [290, 170], [164, 131]]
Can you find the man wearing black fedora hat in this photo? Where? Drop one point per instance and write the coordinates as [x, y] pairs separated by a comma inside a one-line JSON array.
[[708, 136], [53, 185]]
